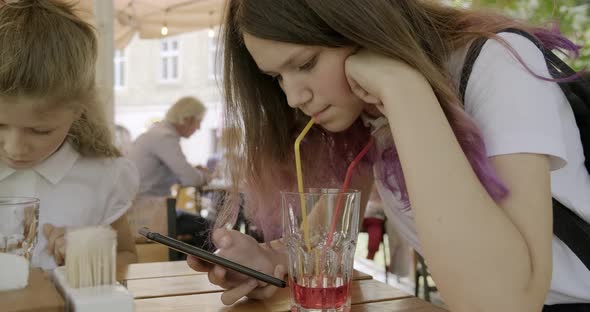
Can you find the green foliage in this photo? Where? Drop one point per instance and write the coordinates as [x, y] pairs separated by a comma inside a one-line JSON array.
[[573, 17]]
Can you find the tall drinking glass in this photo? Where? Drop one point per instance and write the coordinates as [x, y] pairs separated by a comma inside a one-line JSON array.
[[19, 219], [321, 241]]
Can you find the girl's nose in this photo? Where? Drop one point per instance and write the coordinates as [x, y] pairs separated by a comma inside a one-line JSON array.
[[14, 144], [298, 94]]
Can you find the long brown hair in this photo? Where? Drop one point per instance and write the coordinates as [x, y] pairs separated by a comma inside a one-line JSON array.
[[49, 53], [420, 33]]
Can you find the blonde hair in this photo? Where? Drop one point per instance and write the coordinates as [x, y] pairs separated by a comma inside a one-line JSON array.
[[49, 53], [185, 107]]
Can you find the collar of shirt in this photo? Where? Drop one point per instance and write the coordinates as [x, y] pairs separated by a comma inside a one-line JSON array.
[[375, 123], [54, 168], [168, 128]]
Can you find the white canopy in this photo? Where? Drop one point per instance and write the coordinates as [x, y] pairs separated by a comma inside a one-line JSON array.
[[148, 17]]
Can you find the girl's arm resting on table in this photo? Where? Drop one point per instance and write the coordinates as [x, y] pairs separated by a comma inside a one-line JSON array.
[[467, 238], [126, 252]]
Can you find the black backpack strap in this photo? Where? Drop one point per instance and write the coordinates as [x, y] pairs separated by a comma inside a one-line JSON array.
[[571, 307], [470, 59], [567, 226], [572, 230]]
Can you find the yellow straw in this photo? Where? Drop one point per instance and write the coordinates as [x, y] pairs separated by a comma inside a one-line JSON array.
[[300, 182], [301, 273], [317, 263]]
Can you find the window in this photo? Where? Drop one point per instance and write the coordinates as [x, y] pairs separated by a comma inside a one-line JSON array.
[[169, 60], [119, 62], [215, 63]]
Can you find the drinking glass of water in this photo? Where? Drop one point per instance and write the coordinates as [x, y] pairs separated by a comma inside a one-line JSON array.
[[19, 219]]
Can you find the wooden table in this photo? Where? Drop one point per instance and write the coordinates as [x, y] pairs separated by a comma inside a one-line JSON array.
[[39, 295], [173, 286]]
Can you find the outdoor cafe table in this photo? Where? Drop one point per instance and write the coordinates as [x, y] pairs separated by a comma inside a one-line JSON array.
[[173, 286]]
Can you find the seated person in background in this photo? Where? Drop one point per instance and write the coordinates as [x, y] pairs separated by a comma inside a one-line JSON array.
[[161, 163], [158, 155], [55, 143]]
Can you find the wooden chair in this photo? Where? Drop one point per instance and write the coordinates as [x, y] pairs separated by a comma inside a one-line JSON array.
[[159, 215], [187, 198], [173, 255], [422, 272]]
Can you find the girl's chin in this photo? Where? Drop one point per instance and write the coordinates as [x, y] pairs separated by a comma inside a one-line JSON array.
[[336, 125]]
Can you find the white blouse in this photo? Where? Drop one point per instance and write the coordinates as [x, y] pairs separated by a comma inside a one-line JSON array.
[[516, 113], [73, 191]]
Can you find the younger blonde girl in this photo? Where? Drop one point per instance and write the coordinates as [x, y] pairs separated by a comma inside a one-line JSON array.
[[55, 142]]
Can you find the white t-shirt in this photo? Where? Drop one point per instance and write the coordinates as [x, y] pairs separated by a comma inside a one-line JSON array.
[[519, 113], [73, 191], [161, 163]]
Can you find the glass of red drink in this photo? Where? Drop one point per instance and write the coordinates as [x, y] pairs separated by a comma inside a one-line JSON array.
[[320, 229]]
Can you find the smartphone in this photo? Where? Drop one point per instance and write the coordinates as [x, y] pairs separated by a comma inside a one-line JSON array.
[[210, 257]]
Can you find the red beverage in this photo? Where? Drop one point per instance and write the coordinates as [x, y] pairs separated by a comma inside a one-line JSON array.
[[320, 298]]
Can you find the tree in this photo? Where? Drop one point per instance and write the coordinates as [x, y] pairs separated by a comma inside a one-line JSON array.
[[572, 16]]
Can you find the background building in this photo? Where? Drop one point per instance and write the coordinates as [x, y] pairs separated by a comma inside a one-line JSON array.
[[150, 75]]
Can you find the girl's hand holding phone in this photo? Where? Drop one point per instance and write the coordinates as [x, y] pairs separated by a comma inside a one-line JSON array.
[[243, 249]]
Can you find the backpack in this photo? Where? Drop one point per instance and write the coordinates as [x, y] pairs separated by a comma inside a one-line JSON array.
[[567, 225]]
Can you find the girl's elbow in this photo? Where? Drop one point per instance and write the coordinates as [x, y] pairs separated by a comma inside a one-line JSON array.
[[529, 298]]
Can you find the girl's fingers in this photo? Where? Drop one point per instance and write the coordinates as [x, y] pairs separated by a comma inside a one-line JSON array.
[[232, 295], [222, 238], [58, 255], [237, 247], [217, 275], [198, 265], [47, 229], [268, 290], [59, 252], [52, 234]]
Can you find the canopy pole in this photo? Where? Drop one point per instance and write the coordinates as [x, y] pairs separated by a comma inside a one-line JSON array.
[[104, 12]]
